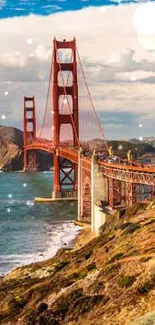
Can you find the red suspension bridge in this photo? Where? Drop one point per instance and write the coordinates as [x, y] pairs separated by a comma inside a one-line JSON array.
[[69, 122]]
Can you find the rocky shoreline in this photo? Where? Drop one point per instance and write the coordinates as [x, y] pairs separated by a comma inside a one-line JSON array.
[[109, 280]]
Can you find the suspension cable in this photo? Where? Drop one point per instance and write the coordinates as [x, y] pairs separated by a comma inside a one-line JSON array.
[[100, 128], [47, 97]]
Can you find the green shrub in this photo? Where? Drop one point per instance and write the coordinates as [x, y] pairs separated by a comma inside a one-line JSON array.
[[115, 257], [148, 285], [131, 228], [91, 266], [126, 281]]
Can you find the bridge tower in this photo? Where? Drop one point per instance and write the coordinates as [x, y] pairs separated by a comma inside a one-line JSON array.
[[64, 181], [29, 133]]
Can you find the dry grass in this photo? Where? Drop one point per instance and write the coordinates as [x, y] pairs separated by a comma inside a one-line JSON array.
[[111, 280]]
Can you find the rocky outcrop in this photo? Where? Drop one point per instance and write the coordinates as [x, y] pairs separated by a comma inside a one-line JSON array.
[[110, 280], [11, 151], [11, 144], [147, 319]]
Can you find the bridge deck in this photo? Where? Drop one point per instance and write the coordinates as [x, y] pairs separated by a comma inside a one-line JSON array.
[[129, 167], [127, 173]]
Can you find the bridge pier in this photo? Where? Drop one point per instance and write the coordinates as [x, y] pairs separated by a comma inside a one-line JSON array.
[[79, 185], [64, 195], [92, 192], [99, 194]]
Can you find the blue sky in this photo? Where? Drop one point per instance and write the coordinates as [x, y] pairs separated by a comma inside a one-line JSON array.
[[11, 8], [116, 41]]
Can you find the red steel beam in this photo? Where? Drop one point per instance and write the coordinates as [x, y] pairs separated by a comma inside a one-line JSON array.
[[132, 175]]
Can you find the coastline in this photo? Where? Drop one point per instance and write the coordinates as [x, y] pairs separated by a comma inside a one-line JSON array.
[[80, 238], [84, 236], [61, 237]]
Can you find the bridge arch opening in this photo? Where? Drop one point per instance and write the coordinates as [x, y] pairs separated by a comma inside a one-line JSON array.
[[64, 55], [66, 135], [65, 105], [29, 127], [65, 78], [29, 114]]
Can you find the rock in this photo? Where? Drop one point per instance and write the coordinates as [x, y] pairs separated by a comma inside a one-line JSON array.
[[147, 319], [11, 151], [11, 144], [42, 306]]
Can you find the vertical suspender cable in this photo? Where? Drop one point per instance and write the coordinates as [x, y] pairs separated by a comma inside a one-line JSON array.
[[47, 98], [100, 128]]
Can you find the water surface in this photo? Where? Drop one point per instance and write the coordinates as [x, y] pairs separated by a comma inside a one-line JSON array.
[[31, 231]]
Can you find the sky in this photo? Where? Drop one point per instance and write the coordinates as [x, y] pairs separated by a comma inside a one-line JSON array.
[[116, 42]]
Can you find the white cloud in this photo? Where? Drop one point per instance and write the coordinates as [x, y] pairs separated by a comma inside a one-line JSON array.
[[109, 49], [10, 59], [138, 75], [51, 7], [42, 53]]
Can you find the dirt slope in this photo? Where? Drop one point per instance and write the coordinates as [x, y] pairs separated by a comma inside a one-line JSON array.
[[109, 281]]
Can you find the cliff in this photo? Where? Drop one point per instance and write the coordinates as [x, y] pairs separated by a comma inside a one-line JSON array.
[[11, 143], [11, 151], [111, 280]]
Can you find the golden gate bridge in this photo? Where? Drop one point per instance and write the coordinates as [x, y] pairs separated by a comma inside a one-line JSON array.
[[71, 121]]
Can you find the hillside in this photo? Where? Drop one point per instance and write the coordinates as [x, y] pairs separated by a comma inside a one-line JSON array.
[[11, 143], [122, 147], [137, 148], [111, 280], [11, 151]]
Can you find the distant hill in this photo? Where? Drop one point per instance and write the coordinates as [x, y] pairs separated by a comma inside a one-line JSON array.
[[134, 140], [139, 148], [11, 151], [122, 147]]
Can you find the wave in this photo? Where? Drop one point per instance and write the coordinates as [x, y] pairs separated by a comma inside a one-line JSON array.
[[15, 201], [58, 235]]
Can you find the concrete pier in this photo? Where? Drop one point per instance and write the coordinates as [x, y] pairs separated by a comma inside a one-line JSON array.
[[79, 184], [60, 199], [99, 192]]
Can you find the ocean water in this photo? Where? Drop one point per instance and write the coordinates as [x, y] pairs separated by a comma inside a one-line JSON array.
[[32, 231]]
